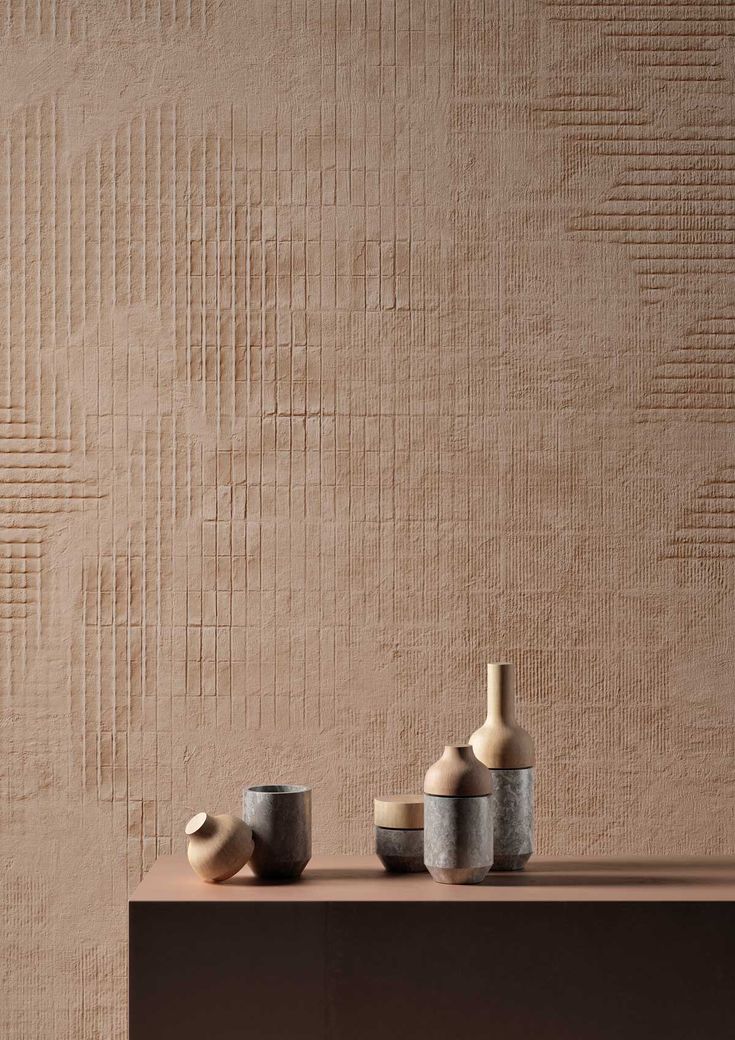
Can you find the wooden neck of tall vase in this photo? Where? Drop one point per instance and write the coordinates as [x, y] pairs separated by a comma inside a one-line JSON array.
[[500, 743], [501, 693]]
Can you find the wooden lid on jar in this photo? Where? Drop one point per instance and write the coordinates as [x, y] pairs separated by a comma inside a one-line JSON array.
[[401, 812]]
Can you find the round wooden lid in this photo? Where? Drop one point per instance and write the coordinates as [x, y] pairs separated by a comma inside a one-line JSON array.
[[402, 812], [198, 824]]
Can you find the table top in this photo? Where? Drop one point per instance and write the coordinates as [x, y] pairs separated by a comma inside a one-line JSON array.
[[358, 879]]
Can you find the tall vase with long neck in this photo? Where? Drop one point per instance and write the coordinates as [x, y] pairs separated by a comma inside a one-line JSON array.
[[507, 750]]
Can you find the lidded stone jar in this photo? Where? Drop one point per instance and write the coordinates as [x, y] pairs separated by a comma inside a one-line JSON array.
[[458, 826], [507, 750], [399, 832]]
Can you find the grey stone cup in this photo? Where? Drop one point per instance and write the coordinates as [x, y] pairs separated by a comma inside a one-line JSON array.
[[279, 816]]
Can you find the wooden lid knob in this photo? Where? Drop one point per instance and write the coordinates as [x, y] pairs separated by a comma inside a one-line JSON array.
[[402, 812], [202, 825]]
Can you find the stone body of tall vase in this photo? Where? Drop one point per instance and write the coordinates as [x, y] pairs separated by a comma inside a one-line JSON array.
[[507, 750], [458, 820]]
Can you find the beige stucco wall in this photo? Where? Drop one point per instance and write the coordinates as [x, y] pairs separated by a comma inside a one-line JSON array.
[[343, 347]]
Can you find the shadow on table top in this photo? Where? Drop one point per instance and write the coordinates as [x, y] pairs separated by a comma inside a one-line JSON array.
[[539, 874]]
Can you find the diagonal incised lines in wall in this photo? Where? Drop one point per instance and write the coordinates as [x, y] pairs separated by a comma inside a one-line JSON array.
[[699, 376], [672, 205], [707, 528], [673, 202], [676, 42]]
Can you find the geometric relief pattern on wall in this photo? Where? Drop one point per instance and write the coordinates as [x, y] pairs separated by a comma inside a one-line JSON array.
[[572, 111], [20, 574], [677, 41], [86, 244], [672, 199], [245, 293], [63, 20], [700, 375], [41, 481], [211, 278], [311, 407], [707, 529], [69, 20], [257, 312], [670, 202], [26, 912]]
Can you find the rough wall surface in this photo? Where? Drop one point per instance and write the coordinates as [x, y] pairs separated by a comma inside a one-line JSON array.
[[343, 347]]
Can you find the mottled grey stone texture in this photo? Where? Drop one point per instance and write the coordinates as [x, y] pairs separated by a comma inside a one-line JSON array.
[[400, 851], [512, 818], [458, 838], [280, 819]]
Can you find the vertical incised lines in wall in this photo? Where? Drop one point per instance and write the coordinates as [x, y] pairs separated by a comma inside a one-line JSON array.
[[185, 223], [39, 480], [68, 21], [161, 218], [62, 20], [29, 300], [171, 14], [26, 914]]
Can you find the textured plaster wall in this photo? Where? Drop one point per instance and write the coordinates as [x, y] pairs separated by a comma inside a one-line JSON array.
[[344, 346]]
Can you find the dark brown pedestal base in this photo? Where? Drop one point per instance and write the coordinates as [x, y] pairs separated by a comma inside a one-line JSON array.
[[300, 965]]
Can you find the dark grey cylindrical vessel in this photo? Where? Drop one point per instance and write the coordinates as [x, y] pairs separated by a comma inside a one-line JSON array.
[[400, 851], [458, 824], [399, 832], [512, 818], [279, 816]]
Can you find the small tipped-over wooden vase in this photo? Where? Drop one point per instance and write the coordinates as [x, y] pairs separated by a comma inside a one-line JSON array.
[[219, 846], [507, 750], [458, 824]]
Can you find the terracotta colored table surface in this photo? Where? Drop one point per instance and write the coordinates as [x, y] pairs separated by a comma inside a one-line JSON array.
[[361, 879]]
